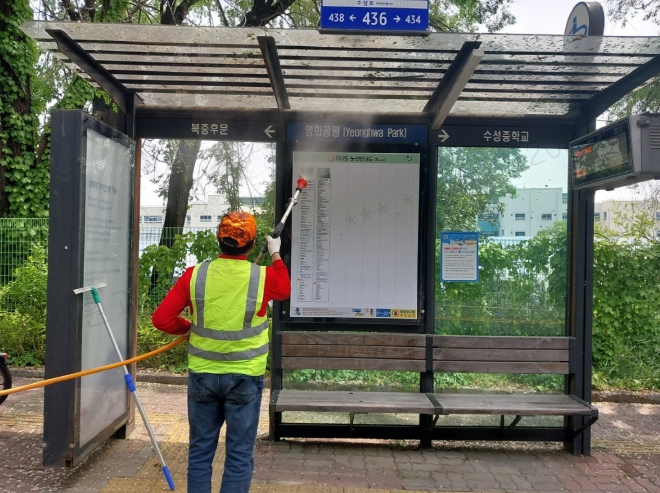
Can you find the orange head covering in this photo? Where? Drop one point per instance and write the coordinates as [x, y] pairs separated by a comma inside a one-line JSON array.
[[239, 227]]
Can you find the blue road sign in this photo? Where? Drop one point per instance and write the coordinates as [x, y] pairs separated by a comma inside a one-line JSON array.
[[375, 15]]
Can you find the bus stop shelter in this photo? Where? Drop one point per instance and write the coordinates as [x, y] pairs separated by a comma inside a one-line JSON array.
[[252, 84]]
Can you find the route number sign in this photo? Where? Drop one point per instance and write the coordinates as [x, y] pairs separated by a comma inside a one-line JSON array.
[[372, 15]]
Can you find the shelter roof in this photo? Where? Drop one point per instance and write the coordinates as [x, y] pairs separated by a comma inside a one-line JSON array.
[[247, 69]]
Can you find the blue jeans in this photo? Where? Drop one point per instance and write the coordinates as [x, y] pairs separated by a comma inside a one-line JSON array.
[[212, 400]]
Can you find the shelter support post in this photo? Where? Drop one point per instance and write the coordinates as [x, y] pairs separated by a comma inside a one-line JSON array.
[[580, 316]]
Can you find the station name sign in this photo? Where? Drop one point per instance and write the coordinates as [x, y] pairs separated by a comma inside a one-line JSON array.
[[375, 15], [503, 136], [195, 129], [376, 133]]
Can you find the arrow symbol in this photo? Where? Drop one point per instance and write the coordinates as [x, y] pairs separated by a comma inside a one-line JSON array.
[[397, 18], [443, 135], [352, 18], [408, 158], [270, 131]]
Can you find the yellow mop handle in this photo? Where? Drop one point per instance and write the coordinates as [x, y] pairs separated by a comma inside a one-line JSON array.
[[98, 369]]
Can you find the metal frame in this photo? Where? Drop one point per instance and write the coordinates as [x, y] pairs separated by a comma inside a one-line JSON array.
[[298, 67], [64, 313]]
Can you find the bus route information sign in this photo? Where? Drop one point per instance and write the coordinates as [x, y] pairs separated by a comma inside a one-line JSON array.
[[375, 15]]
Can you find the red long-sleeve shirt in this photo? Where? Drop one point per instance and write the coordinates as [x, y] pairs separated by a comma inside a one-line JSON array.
[[167, 316]]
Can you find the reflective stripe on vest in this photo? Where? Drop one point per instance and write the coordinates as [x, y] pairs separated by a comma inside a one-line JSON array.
[[251, 308], [227, 334]]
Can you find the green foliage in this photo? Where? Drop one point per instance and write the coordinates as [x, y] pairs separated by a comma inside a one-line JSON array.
[[17, 237], [625, 10], [24, 327], [149, 339], [23, 338], [626, 321], [201, 244], [352, 379], [521, 290], [27, 180], [468, 15], [27, 292], [471, 181]]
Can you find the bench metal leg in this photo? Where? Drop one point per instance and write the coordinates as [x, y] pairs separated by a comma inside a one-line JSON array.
[[425, 441], [586, 425], [512, 425], [274, 418]]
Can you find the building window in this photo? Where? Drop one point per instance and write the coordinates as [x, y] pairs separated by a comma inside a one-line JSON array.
[[153, 219], [564, 215], [605, 216], [596, 216], [219, 218], [520, 233], [188, 219], [205, 218], [564, 198], [520, 217], [657, 216], [546, 217]]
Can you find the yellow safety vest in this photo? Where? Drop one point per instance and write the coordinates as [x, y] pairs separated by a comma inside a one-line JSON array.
[[227, 334]]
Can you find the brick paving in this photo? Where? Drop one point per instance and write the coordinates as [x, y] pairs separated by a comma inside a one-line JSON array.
[[625, 457]]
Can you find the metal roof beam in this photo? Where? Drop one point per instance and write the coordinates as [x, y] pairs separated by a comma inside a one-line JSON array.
[[454, 81], [598, 104], [115, 89], [272, 61]]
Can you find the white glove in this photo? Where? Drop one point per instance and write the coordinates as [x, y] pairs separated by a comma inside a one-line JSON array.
[[273, 245]]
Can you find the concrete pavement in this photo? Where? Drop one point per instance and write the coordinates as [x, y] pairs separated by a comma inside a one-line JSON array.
[[625, 458]]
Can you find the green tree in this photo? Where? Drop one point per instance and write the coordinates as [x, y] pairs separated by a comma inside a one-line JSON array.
[[23, 180], [624, 10], [471, 181]]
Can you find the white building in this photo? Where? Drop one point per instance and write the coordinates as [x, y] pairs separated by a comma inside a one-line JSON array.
[[610, 214], [530, 211], [199, 215]]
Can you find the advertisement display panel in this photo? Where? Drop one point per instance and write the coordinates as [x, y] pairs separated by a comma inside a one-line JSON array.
[[354, 248], [108, 193], [90, 244]]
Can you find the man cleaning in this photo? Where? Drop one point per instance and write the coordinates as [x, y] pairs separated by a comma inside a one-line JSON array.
[[227, 350]]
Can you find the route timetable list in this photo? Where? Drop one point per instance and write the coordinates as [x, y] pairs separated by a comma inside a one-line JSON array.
[[354, 248]]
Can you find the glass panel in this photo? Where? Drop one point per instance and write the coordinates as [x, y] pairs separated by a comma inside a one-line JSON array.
[[108, 199], [522, 281]]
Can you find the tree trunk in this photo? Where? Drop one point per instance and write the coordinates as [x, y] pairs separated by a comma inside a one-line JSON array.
[[178, 192], [181, 181]]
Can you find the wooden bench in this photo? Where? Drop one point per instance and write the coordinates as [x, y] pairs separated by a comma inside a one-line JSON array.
[[455, 354], [507, 355], [350, 351]]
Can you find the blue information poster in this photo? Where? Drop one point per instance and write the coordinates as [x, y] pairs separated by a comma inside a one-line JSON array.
[[459, 257]]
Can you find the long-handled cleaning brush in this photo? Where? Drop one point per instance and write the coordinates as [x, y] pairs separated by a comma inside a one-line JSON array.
[[129, 380]]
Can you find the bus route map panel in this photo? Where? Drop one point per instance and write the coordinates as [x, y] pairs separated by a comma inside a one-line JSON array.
[[355, 235]]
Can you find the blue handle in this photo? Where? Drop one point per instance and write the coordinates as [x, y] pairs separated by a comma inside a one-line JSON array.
[[129, 382], [166, 472]]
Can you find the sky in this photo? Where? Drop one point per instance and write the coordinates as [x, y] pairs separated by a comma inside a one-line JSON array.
[[554, 15], [533, 17]]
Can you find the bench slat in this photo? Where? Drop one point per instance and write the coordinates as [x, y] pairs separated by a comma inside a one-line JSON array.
[[501, 342], [499, 367], [518, 355], [512, 404], [292, 363], [353, 339], [334, 351], [340, 401]]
